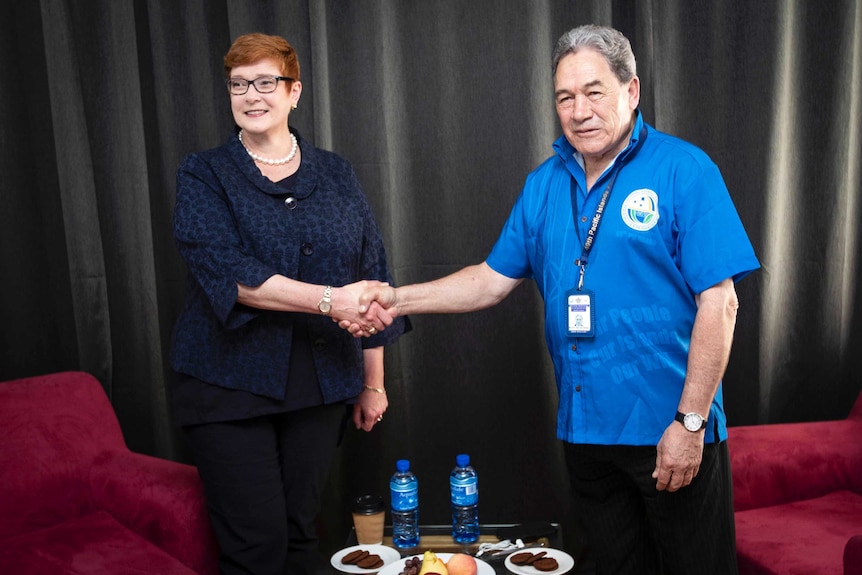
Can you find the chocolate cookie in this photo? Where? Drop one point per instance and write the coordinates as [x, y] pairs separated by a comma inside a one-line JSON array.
[[546, 564], [370, 562], [354, 557], [536, 556], [521, 558]]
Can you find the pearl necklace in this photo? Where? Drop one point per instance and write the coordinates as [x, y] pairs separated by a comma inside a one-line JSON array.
[[263, 160]]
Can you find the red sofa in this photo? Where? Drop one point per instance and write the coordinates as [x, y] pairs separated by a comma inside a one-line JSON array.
[[797, 493], [75, 500]]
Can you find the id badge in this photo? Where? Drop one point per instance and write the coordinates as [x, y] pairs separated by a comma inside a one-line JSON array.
[[580, 313]]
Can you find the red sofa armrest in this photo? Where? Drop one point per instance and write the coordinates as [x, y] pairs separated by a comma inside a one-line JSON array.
[[52, 427], [160, 500]]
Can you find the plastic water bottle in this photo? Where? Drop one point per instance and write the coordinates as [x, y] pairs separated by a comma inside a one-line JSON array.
[[464, 492], [404, 488]]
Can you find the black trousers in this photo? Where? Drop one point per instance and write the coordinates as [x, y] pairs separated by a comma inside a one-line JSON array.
[[634, 529], [263, 479]]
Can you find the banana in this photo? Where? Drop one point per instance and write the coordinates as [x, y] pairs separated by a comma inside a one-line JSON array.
[[432, 564]]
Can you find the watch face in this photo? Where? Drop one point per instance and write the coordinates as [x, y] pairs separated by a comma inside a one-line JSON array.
[[324, 306], [692, 422]]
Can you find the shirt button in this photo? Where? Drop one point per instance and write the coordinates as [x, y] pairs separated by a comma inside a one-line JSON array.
[[584, 219], [574, 347], [307, 249], [578, 388], [290, 203]]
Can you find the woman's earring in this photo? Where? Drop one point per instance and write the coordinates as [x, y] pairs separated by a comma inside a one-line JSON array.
[[293, 107]]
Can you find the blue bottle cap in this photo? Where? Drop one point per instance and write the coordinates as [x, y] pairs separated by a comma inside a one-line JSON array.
[[402, 465], [463, 460]]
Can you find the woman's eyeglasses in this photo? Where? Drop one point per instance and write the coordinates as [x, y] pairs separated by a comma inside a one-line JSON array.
[[264, 84]]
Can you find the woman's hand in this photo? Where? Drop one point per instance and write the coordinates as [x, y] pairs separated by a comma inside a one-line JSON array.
[[373, 402], [376, 302], [370, 409], [346, 309]]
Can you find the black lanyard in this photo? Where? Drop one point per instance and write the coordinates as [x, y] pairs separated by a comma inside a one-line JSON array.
[[600, 209]]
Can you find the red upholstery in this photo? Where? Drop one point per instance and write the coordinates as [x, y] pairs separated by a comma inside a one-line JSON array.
[[75, 500], [853, 556], [798, 496]]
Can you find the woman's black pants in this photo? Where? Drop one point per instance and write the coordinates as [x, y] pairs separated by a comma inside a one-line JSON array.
[[263, 479]]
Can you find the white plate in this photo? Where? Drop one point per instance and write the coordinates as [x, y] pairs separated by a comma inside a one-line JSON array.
[[482, 568], [388, 554], [566, 562]]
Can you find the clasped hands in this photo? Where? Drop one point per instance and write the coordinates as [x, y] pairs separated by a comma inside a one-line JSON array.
[[373, 311]]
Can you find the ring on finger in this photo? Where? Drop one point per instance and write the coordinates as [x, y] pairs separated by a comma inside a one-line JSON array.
[[372, 330], [379, 418]]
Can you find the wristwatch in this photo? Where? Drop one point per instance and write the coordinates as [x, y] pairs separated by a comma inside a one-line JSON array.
[[691, 421], [325, 305]]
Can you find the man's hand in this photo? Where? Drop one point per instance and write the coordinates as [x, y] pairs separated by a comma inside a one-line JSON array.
[[384, 294], [678, 457], [377, 304], [346, 311]]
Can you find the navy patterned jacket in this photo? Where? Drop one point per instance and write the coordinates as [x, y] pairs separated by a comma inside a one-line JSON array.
[[232, 225]]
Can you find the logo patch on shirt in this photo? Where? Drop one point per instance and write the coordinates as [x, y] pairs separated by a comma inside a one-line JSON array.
[[640, 210]]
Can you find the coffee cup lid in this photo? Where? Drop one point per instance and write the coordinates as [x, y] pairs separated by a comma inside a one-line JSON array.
[[368, 504]]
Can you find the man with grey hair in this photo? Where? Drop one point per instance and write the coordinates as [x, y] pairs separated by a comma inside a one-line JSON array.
[[634, 243]]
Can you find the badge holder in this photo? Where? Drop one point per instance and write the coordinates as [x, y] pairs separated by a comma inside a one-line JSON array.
[[580, 308], [580, 313]]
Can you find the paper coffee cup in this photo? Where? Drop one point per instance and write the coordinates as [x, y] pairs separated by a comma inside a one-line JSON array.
[[369, 514]]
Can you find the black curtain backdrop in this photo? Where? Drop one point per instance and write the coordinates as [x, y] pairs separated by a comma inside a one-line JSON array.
[[443, 107]]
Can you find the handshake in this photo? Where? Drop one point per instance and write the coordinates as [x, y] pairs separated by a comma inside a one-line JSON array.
[[364, 308]]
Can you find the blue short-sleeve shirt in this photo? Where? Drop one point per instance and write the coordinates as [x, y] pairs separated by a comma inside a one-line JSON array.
[[669, 231]]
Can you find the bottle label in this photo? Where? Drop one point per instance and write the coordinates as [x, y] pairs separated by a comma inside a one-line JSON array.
[[406, 500], [464, 493]]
